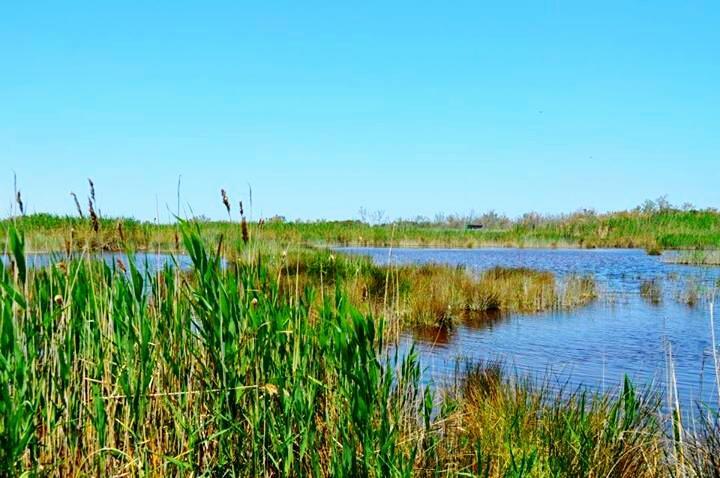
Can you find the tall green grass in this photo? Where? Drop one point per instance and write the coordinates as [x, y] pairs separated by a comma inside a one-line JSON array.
[[236, 368], [109, 370], [653, 229]]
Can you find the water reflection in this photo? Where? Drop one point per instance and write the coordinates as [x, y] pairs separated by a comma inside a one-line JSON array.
[[479, 320], [432, 335], [597, 345]]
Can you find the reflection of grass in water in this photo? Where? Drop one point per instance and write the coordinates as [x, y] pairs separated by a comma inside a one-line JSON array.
[[443, 335], [433, 335]]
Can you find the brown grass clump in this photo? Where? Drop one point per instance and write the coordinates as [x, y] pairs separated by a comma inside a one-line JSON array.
[[438, 295], [651, 291]]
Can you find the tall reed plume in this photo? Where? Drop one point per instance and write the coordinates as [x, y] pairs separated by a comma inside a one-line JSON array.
[[243, 225], [226, 201], [92, 189], [93, 216], [18, 198], [77, 205], [91, 207]]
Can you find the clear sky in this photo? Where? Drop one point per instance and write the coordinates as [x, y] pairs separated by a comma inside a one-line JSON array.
[[326, 107]]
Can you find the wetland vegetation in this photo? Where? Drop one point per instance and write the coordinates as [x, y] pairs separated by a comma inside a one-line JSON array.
[[271, 356], [654, 226], [280, 361]]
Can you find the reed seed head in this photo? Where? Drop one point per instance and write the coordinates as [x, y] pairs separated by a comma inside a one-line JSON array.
[[93, 216], [92, 189], [77, 205], [225, 200], [245, 232], [18, 198]]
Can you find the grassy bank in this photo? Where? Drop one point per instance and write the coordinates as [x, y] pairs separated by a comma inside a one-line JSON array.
[[250, 369], [694, 258], [653, 229], [434, 294]]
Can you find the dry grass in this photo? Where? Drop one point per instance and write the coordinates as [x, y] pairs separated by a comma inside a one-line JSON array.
[[440, 295], [434, 294]]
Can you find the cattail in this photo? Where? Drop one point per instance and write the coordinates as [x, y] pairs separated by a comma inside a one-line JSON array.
[[77, 205], [177, 241], [18, 198], [219, 247], [244, 225], [92, 189], [120, 265], [245, 233], [120, 231], [93, 216], [226, 201]]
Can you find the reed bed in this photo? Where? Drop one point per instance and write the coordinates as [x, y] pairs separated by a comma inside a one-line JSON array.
[[440, 295], [436, 294], [110, 371], [654, 229], [242, 367]]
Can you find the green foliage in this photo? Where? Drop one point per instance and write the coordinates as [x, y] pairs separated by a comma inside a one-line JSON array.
[[236, 368], [653, 227]]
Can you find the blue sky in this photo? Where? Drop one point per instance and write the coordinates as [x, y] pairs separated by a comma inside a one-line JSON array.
[[327, 107]]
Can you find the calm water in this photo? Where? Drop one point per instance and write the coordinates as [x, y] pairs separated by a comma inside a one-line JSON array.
[[594, 346], [145, 261]]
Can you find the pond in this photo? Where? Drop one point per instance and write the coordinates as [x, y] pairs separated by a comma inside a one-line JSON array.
[[622, 333], [145, 261]]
